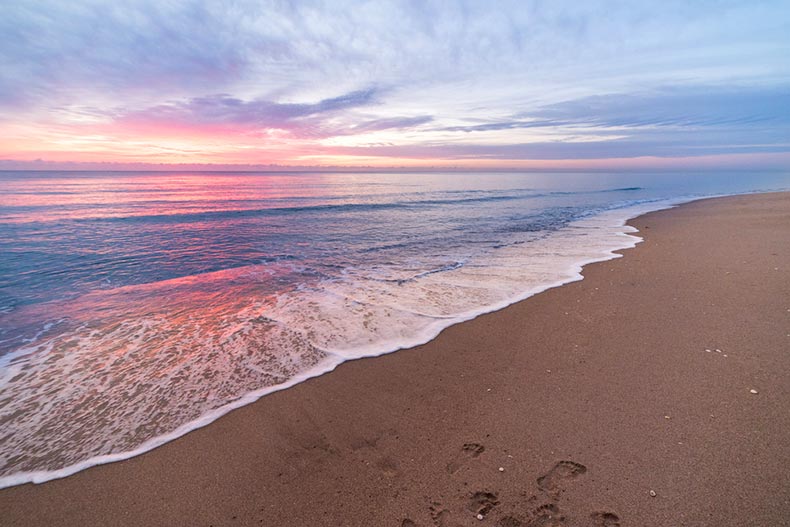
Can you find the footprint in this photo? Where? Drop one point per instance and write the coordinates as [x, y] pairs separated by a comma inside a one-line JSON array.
[[469, 451], [509, 521], [483, 502], [546, 516], [440, 516], [605, 519], [474, 449], [562, 473], [388, 467], [407, 523]]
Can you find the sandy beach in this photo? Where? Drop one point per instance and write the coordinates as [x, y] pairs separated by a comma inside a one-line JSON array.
[[655, 392]]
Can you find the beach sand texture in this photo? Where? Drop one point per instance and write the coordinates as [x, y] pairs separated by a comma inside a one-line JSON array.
[[624, 399]]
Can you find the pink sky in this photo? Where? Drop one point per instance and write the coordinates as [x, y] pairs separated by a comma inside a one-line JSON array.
[[557, 86]]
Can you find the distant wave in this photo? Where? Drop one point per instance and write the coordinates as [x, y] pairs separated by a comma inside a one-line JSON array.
[[275, 211], [192, 217], [623, 189]]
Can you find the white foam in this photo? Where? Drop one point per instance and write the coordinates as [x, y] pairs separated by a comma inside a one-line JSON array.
[[41, 476]]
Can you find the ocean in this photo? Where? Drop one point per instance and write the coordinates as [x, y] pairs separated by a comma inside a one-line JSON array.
[[135, 307]]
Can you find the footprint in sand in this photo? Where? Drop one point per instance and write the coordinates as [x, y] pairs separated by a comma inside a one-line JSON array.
[[547, 516], [559, 476], [604, 519], [388, 467], [544, 516], [469, 451], [509, 521], [407, 523], [440, 516], [482, 502]]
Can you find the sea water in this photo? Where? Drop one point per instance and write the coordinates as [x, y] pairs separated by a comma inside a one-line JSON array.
[[135, 307]]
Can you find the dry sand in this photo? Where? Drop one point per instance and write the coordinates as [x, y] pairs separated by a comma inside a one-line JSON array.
[[589, 396]]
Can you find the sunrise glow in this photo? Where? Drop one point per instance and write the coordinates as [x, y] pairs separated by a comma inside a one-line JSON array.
[[471, 87]]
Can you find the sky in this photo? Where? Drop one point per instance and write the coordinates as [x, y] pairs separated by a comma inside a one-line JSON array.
[[447, 84]]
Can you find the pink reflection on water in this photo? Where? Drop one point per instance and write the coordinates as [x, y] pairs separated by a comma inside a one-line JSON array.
[[135, 362], [115, 195]]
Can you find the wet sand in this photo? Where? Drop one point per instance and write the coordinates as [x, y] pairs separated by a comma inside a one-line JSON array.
[[623, 399]]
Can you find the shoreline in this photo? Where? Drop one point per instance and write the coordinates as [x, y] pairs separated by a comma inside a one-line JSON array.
[[620, 227], [305, 427]]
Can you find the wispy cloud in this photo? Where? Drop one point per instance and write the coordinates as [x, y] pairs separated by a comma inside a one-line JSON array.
[[708, 106], [682, 106], [231, 113], [663, 122], [386, 79], [225, 114]]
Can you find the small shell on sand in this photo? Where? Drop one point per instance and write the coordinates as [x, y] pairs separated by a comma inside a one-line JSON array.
[[752, 391], [652, 494], [480, 517]]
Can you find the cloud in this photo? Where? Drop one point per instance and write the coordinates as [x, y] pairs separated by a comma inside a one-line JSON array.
[[506, 125], [223, 113], [396, 123], [457, 78], [226, 110], [683, 120], [619, 148], [60, 51], [148, 49], [696, 106]]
